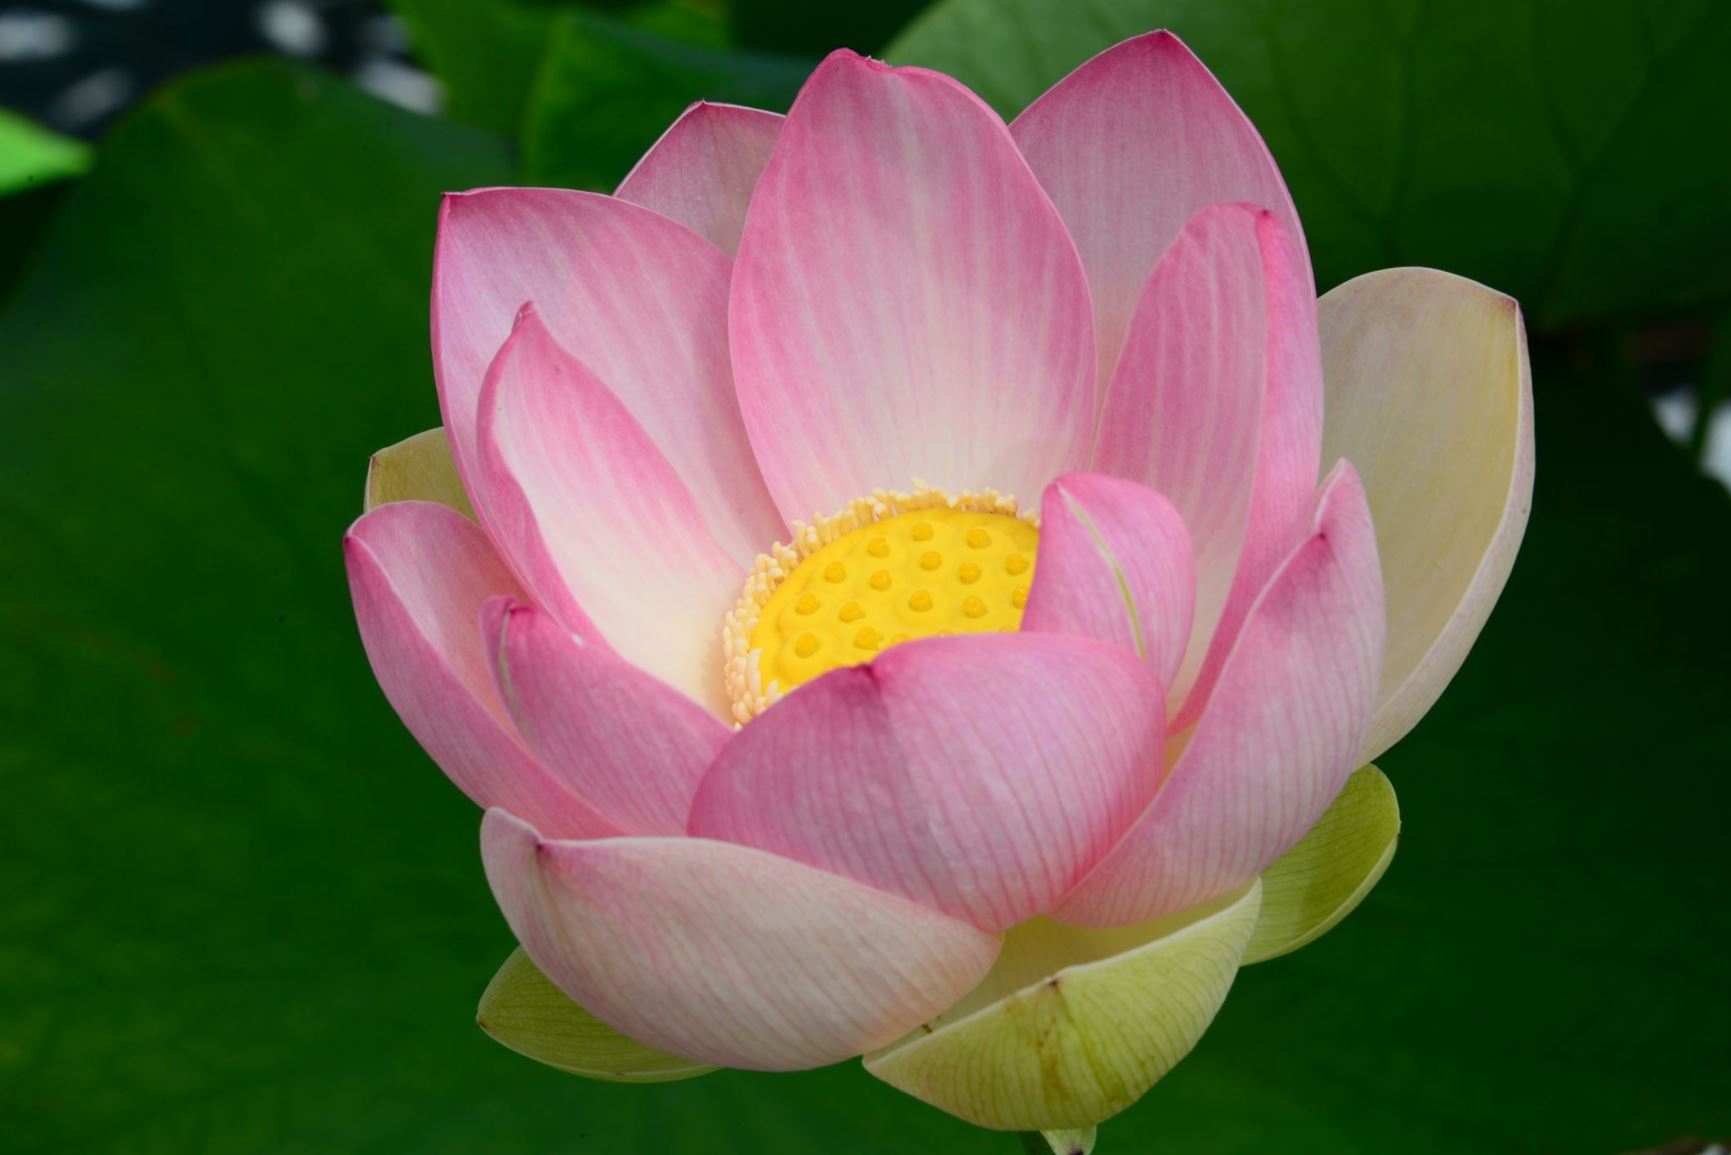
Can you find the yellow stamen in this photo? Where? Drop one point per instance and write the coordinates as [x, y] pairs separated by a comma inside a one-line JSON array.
[[887, 569]]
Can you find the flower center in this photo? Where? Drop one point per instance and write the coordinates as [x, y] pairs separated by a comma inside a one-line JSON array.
[[888, 569]]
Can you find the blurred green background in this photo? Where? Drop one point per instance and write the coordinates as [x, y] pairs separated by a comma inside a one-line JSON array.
[[240, 911]]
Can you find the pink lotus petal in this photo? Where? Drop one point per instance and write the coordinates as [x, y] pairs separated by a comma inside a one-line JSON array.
[[723, 954], [1279, 737], [1114, 565], [419, 573], [980, 775], [906, 303], [1217, 403], [594, 519], [632, 746], [638, 299], [1130, 146], [703, 169]]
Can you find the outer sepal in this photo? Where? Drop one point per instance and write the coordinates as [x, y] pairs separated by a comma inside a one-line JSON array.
[[1321, 880], [1074, 1025], [419, 468], [522, 1009]]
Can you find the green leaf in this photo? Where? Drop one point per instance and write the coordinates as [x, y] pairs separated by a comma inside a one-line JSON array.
[[693, 23], [23, 218], [803, 28], [36, 166], [609, 90], [489, 57], [1535, 146], [30, 155], [485, 55], [1311, 887], [522, 1009]]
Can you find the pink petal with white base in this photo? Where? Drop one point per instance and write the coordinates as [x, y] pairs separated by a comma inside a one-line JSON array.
[[906, 303], [1279, 737], [640, 300], [723, 954], [1115, 565], [1130, 146], [419, 573], [1217, 403], [703, 169], [594, 519], [634, 747], [980, 775]]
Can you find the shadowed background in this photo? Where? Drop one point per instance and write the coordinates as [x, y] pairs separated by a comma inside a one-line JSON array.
[[241, 911]]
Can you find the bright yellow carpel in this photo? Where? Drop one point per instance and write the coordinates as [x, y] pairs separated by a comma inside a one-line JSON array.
[[889, 569], [916, 575]]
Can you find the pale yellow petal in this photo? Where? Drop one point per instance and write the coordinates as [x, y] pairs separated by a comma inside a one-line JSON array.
[[1073, 1025], [419, 469], [1321, 880], [1430, 397], [522, 1009]]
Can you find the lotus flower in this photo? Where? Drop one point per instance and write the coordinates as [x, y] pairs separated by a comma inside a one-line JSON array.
[[891, 582]]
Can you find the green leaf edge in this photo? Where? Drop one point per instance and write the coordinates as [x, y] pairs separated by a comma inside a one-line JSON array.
[[31, 156]]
